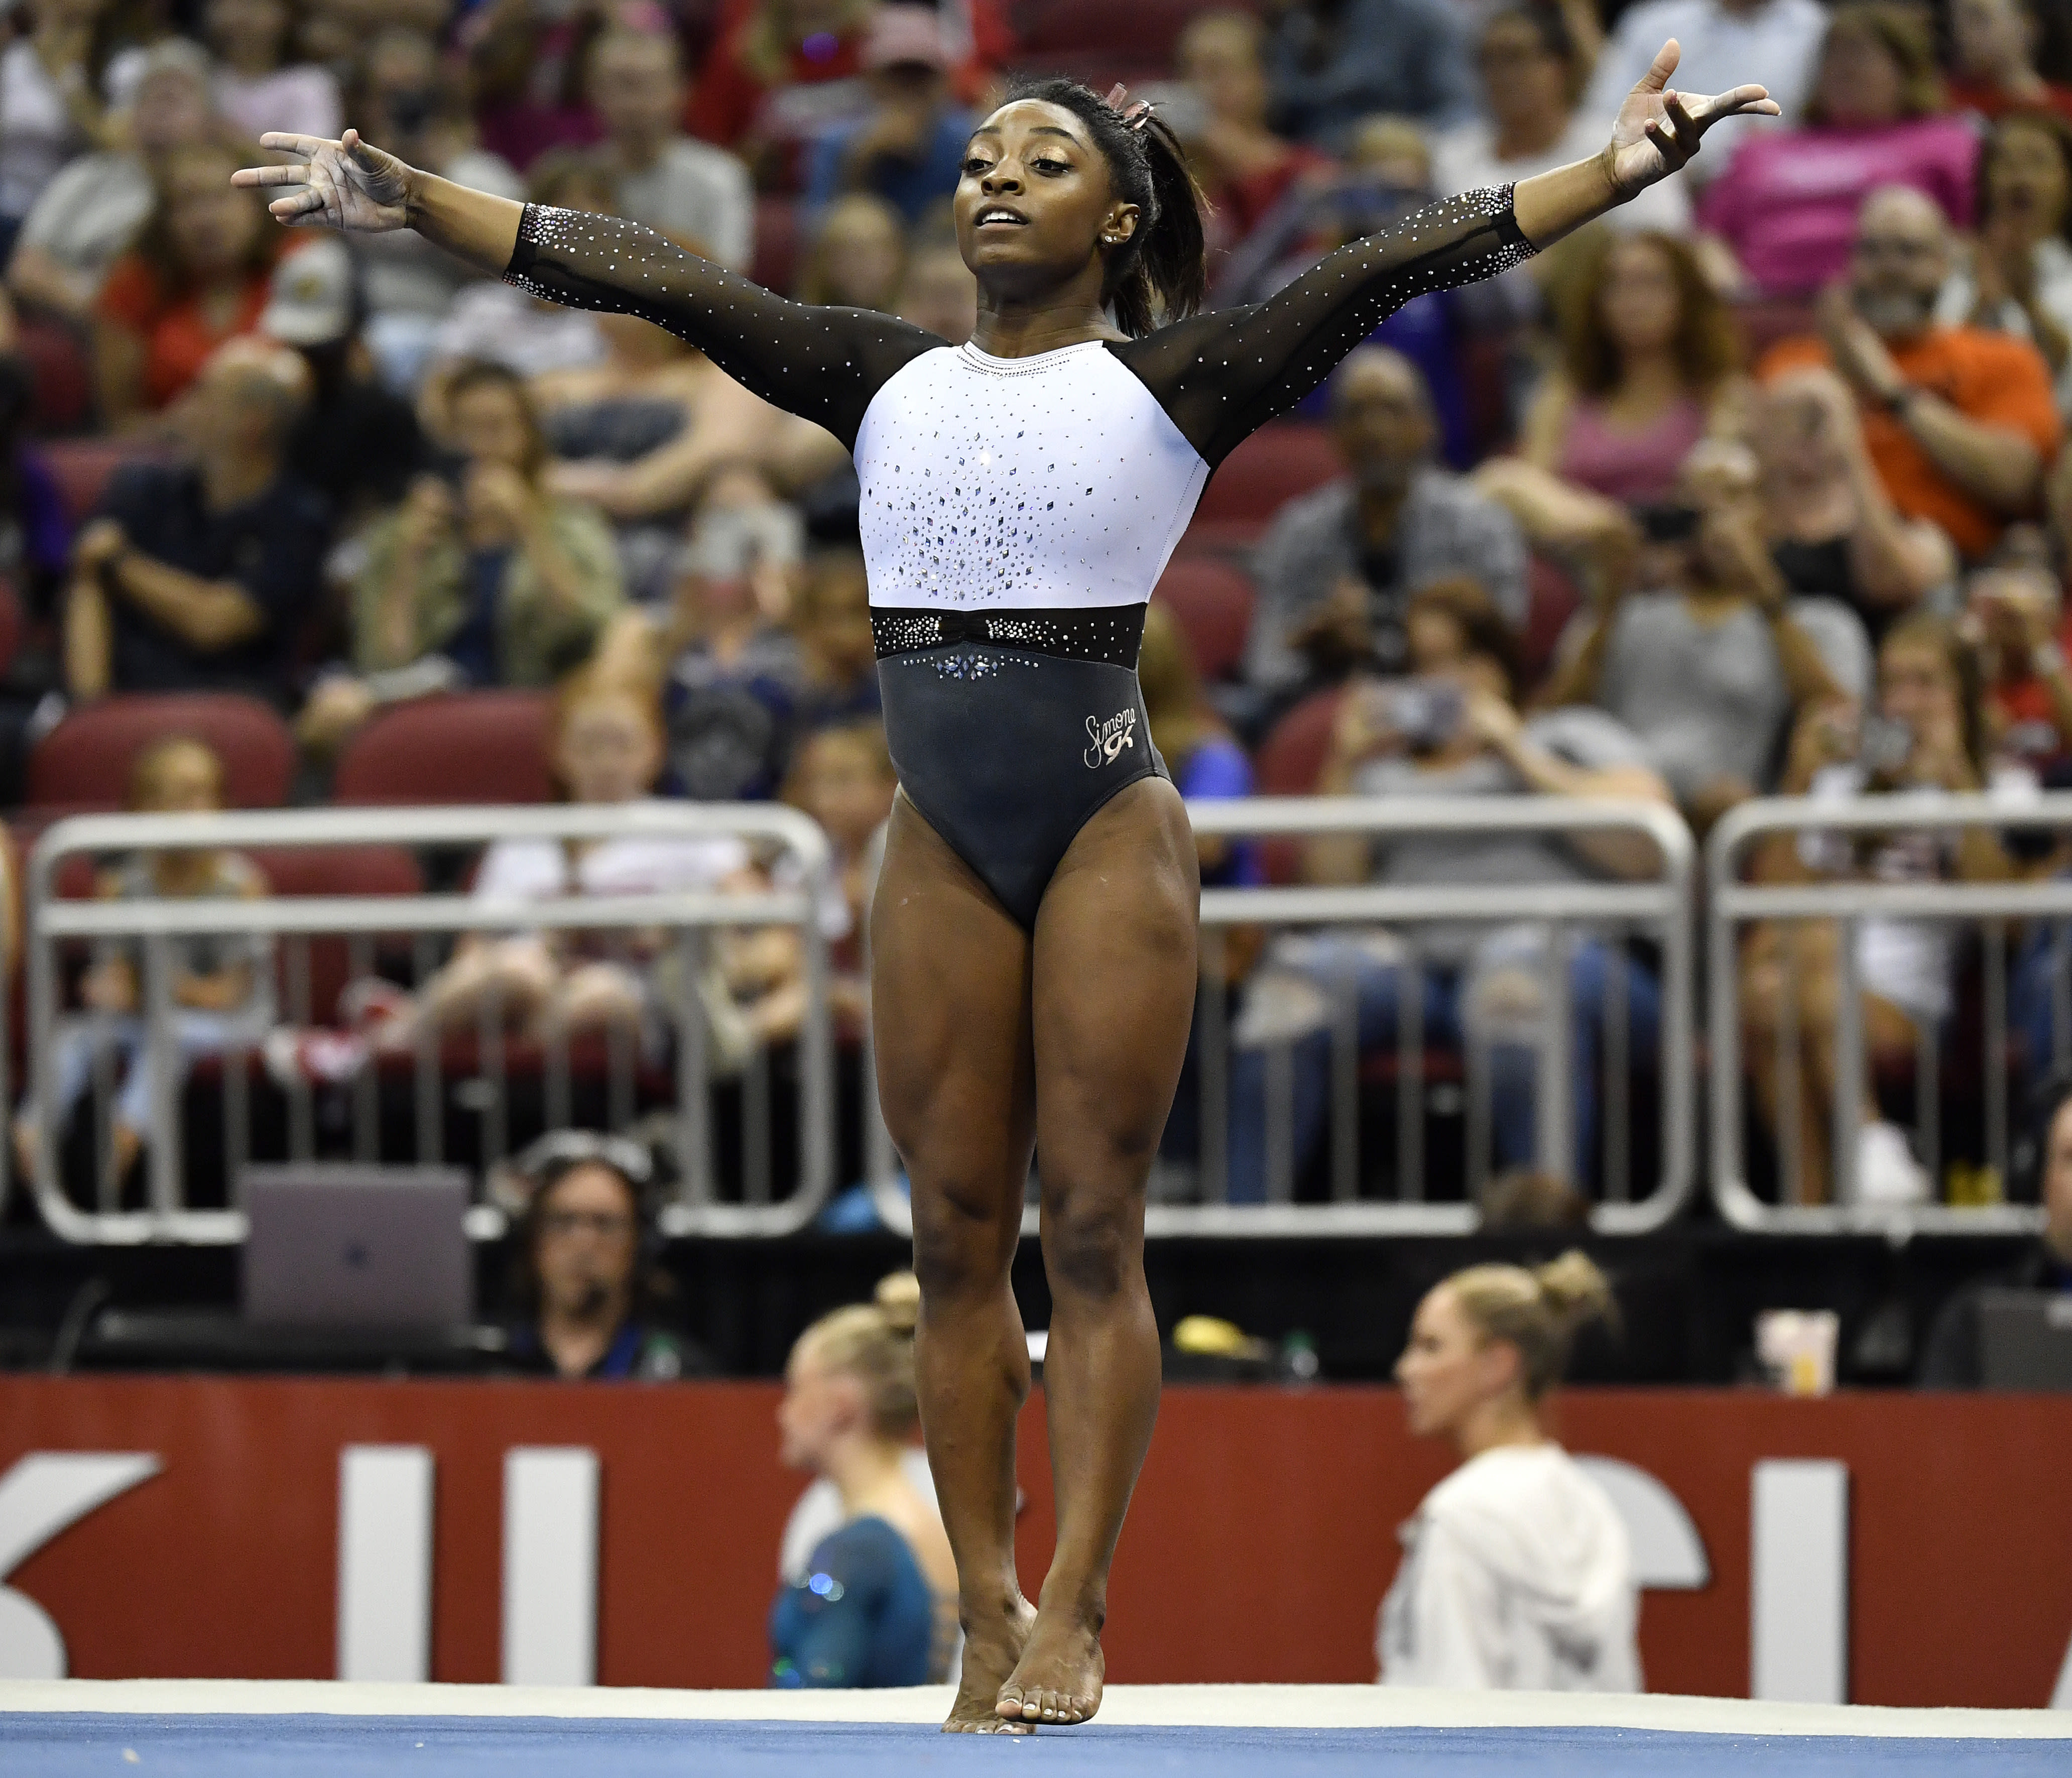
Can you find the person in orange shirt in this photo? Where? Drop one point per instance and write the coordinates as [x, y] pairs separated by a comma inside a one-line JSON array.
[[1960, 423]]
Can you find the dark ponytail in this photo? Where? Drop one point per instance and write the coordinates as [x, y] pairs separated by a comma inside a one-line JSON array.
[[1162, 272]]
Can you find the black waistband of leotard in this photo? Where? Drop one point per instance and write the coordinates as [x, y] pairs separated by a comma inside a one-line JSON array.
[[1110, 633]]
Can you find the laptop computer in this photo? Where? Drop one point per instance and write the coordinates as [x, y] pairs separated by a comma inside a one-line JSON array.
[[343, 1246], [2026, 1339]]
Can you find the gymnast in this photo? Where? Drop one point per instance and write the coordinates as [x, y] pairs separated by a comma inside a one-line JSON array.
[[1033, 941]]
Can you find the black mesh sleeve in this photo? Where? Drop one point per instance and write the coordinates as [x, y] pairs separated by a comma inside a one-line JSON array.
[[822, 363], [1221, 376]]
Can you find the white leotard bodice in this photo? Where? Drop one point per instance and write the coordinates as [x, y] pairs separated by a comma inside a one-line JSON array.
[[1051, 482]]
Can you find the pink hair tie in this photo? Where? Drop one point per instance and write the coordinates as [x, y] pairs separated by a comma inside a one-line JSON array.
[[1137, 115]]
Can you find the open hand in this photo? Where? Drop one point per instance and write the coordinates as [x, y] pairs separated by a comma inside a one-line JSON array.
[[1658, 130], [348, 184]]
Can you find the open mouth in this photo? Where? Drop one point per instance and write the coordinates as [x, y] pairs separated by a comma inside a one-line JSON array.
[[995, 216]]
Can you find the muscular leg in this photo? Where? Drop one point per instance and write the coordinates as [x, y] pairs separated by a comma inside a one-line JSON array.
[[950, 1012], [1113, 990]]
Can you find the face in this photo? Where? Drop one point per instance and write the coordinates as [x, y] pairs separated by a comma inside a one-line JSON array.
[[1897, 264], [489, 426], [212, 223], [608, 751], [1792, 436], [234, 406], [1219, 59], [1523, 78], [820, 1405], [1035, 204], [1917, 687], [1725, 486], [636, 88], [1380, 419], [253, 29], [1448, 1370], [588, 1239], [1988, 36], [187, 780], [1860, 83], [839, 631], [845, 787], [2026, 182], [941, 295], [1437, 643], [1641, 303], [402, 75], [2058, 1181], [861, 250], [171, 109]]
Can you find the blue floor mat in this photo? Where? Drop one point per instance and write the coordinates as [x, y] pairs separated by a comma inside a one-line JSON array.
[[69, 1745]]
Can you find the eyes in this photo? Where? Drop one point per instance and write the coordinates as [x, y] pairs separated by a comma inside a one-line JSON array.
[[1048, 165]]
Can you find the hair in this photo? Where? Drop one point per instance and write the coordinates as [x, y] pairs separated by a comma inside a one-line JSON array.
[[150, 760], [1926, 629], [1550, 25], [1161, 273], [1483, 628], [1706, 347], [1538, 1310], [1181, 716], [154, 244], [873, 1341], [1526, 1199], [765, 41], [593, 683], [1247, 25], [1903, 32], [625, 36], [487, 374], [651, 1287], [2047, 123]]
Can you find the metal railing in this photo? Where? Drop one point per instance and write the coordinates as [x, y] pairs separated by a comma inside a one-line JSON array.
[[372, 925], [1659, 908], [1994, 910]]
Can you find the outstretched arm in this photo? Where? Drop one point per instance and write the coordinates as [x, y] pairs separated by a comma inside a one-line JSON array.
[[822, 363]]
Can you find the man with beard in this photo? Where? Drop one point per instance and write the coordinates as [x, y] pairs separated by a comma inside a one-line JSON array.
[[1960, 423]]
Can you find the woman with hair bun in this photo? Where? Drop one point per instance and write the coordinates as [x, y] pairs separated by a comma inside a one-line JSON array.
[[1516, 1574], [876, 1604], [1034, 931]]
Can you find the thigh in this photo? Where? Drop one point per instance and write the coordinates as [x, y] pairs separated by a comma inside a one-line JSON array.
[[1114, 984], [949, 975]]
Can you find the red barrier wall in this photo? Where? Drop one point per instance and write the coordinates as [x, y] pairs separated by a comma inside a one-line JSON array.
[[1263, 1536]]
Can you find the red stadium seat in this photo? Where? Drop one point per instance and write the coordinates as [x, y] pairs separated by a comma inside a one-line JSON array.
[[1212, 601], [1274, 466], [1288, 762], [331, 870], [1100, 41], [60, 373], [776, 260], [1555, 600], [475, 746], [84, 763]]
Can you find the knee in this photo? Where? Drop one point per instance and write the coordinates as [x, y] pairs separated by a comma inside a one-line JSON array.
[[1093, 1241], [964, 1235]]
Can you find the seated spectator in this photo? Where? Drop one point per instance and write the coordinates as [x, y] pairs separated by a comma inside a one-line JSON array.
[[221, 989], [59, 80], [526, 65], [908, 146], [91, 210], [1773, 43], [1833, 530], [354, 439], [258, 88], [1786, 204], [196, 276], [197, 576], [2015, 276], [1649, 365], [858, 255], [1959, 424], [831, 618], [1336, 572], [1710, 673], [2011, 618], [842, 776], [1333, 62], [636, 435], [1532, 73], [1245, 167], [1199, 752], [1924, 736], [483, 567], [786, 75], [696, 194], [1517, 1571], [878, 1603], [937, 292], [591, 1302], [1993, 46], [1952, 1356]]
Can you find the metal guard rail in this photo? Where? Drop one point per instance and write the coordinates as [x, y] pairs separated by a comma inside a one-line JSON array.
[[51, 921], [1733, 902]]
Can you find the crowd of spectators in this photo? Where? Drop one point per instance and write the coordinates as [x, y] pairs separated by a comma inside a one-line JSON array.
[[1695, 506]]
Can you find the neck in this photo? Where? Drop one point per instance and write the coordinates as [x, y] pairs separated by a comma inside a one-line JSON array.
[[1650, 375], [175, 873], [1009, 327], [232, 476], [637, 150], [576, 1337], [1508, 1419], [252, 64], [1517, 137], [861, 1469], [1380, 504]]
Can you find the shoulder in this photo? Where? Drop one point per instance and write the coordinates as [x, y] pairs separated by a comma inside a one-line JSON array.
[[1440, 492], [687, 158], [1586, 736], [131, 292], [1320, 509], [1509, 1484], [862, 1550]]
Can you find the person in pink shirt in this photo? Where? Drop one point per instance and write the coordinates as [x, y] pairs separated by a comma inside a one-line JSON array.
[[1786, 204]]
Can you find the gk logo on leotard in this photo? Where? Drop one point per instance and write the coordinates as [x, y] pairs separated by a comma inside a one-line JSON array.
[[1109, 737]]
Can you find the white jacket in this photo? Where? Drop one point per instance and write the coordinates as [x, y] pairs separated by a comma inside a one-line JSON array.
[[1517, 1575]]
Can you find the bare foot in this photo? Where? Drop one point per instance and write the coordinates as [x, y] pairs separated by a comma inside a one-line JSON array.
[[1059, 1675], [990, 1654]]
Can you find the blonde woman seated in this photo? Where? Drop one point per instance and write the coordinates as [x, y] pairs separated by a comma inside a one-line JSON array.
[[877, 1605], [1517, 1573]]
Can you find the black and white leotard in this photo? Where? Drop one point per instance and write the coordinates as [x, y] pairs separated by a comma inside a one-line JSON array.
[[1016, 513]]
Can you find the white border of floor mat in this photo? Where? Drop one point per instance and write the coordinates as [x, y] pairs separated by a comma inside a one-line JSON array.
[[1209, 1706]]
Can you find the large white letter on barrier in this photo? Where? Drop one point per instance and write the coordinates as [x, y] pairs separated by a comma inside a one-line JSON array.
[[385, 1563], [44, 1493], [550, 1567], [1667, 1552], [1799, 1582]]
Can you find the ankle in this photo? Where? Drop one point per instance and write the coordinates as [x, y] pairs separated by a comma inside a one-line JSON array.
[[992, 1609], [1084, 1606]]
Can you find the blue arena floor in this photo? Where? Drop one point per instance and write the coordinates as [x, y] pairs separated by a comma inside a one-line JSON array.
[[76, 1744]]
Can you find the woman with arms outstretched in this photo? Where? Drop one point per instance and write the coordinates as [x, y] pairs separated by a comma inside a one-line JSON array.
[[1033, 944]]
